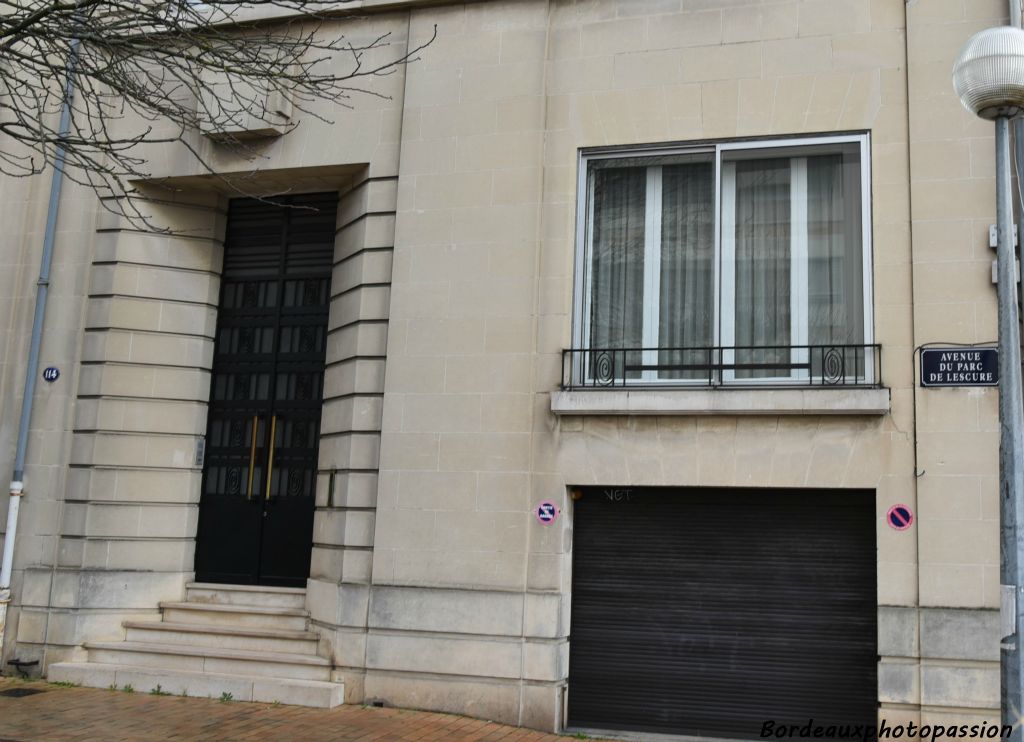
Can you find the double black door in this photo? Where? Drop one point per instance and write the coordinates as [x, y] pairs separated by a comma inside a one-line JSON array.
[[266, 395]]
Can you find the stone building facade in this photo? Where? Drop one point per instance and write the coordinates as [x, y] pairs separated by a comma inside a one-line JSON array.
[[476, 203]]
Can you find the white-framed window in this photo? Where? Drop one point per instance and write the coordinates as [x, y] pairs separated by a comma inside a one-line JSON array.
[[745, 262]]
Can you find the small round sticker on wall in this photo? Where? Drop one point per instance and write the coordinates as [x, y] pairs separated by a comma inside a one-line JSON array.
[[900, 517], [547, 512]]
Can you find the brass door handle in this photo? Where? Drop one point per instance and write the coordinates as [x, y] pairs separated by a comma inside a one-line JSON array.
[[270, 457], [252, 455]]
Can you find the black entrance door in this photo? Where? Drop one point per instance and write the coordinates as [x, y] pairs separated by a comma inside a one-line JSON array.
[[266, 394]]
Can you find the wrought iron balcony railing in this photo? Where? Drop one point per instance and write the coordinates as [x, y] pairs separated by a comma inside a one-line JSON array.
[[734, 366]]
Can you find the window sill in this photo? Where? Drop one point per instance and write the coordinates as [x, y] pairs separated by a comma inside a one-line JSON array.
[[722, 402]]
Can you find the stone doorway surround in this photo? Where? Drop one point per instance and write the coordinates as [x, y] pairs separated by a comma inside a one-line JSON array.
[[129, 516]]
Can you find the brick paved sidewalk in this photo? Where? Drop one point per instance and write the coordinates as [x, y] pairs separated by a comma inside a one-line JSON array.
[[61, 714]]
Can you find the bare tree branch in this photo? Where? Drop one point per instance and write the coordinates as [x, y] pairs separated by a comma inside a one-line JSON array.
[[153, 72]]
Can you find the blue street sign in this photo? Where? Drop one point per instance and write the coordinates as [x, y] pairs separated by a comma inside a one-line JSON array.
[[51, 374]]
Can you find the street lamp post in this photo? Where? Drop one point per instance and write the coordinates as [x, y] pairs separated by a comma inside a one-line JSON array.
[[989, 78]]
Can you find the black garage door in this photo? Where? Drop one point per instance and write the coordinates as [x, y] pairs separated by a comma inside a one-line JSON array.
[[709, 612]]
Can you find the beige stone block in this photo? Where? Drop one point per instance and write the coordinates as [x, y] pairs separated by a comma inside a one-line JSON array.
[[792, 100], [647, 68], [493, 223], [506, 413], [505, 150], [508, 491], [675, 30], [419, 374], [954, 498], [492, 569], [786, 57], [952, 585], [343, 528], [863, 100], [549, 572], [897, 583], [965, 198], [546, 660], [424, 490], [370, 232], [521, 114], [828, 18], [441, 263], [354, 376], [361, 303], [454, 190], [958, 454], [371, 266], [720, 107], [169, 349], [877, 49], [751, 23], [357, 339], [516, 186], [476, 612], [481, 82], [122, 313], [898, 681], [948, 239], [578, 75], [504, 373], [510, 334], [346, 489], [728, 62], [983, 161], [409, 450], [422, 413], [404, 529], [955, 322], [958, 686], [613, 37], [959, 542], [481, 531], [350, 450], [361, 413], [484, 451], [448, 336], [495, 701], [756, 101]]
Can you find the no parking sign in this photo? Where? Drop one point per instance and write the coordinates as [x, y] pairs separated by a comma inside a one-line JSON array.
[[900, 517], [547, 512]]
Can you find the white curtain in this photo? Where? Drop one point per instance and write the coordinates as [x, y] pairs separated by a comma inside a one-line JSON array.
[[617, 264], [835, 275], [687, 302], [763, 261]]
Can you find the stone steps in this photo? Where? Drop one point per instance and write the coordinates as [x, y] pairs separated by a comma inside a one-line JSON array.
[[200, 684], [227, 637], [222, 614], [210, 659], [251, 643], [246, 595]]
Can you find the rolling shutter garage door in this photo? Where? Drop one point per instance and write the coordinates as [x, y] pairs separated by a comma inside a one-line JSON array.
[[709, 612]]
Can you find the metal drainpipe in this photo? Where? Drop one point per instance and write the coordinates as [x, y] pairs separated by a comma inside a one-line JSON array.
[[32, 370]]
